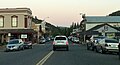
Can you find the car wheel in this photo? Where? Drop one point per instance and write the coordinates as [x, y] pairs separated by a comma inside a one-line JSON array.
[[102, 51], [96, 49], [23, 48], [18, 49], [54, 48], [88, 48], [67, 48], [31, 47], [92, 48]]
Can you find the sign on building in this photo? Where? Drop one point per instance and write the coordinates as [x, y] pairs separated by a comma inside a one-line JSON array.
[[23, 35]]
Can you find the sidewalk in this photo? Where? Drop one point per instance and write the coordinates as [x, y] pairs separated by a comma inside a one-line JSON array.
[[2, 48]]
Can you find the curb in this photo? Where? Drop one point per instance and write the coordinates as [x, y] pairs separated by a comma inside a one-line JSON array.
[[2, 48]]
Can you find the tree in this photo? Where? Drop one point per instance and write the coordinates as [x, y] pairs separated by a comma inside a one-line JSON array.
[[117, 13], [78, 25], [36, 18], [75, 26]]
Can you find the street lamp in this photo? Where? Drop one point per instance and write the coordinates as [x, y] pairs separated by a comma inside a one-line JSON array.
[[83, 22]]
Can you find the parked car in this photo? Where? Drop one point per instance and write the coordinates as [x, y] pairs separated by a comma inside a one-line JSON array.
[[42, 40], [15, 44], [107, 45], [91, 45], [60, 42], [28, 45], [75, 40], [47, 39]]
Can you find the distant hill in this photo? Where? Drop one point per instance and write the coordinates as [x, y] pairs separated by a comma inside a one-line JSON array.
[[117, 13]]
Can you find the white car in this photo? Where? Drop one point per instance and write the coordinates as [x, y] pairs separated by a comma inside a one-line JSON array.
[[15, 44], [75, 40], [42, 40], [60, 42], [107, 45]]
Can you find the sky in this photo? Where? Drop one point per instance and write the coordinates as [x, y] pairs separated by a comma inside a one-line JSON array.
[[64, 12]]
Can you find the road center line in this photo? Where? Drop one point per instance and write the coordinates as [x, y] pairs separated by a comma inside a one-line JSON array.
[[41, 62]]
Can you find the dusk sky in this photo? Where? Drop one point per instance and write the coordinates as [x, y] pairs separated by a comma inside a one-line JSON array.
[[64, 12]]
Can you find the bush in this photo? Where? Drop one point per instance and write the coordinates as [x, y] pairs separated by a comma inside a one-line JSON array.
[[0, 44]]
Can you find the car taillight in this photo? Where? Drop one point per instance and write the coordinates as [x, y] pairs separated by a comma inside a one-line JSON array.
[[66, 43], [106, 45]]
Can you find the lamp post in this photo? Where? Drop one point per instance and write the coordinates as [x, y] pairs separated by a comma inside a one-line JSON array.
[[83, 22]]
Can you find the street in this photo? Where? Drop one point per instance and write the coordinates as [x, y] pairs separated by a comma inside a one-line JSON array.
[[77, 55]]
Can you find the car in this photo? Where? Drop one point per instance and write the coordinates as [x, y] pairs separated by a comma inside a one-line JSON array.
[[60, 42], [91, 45], [47, 39], [15, 44], [42, 40], [107, 45], [28, 45], [75, 40]]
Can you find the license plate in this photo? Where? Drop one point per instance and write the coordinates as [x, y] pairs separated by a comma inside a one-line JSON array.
[[114, 46]]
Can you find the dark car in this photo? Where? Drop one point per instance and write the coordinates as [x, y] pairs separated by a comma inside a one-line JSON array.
[[28, 45], [91, 45]]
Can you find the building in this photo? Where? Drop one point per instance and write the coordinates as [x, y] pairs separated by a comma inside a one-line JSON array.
[[103, 25], [16, 23], [105, 30]]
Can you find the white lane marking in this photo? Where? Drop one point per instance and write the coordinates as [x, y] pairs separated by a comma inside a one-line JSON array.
[[41, 62]]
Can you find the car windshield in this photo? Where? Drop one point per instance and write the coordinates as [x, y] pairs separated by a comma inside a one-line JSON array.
[[99, 37], [111, 41], [14, 42], [60, 38], [76, 38]]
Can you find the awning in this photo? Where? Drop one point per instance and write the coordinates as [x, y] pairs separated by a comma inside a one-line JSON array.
[[17, 31]]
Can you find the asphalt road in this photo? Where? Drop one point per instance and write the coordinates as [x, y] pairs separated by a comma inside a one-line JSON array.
[[77, 55]]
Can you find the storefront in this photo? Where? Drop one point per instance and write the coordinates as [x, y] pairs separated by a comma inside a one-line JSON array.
[[24, 34]]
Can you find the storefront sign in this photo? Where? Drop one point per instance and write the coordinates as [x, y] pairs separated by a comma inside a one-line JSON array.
[[110, 35], [23, 35]]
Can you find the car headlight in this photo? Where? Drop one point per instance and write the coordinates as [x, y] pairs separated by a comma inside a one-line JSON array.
[[15, 46]]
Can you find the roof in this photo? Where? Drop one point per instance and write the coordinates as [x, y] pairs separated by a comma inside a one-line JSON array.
[[103, 19], [6, 10], [17, 31], [36, 21]]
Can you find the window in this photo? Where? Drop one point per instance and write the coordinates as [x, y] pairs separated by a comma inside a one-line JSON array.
[[1, 21], [14, 21], [111, 41], [25, 22], [105, 27], [60, 38]]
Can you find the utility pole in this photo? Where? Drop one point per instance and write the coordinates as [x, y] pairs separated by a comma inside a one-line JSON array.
[[84, 25]]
